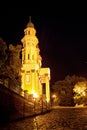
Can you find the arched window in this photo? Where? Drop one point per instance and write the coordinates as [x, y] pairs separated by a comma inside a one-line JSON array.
[[32, 57], [27, 79], [28, 56]]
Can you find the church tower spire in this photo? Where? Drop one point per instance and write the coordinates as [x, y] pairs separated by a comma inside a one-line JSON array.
[[33, 76], [31, 60], [29, 18], [30, 24]]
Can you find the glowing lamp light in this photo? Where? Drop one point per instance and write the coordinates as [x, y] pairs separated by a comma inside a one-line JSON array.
[[53, 96], [84, 93], [35, 95]]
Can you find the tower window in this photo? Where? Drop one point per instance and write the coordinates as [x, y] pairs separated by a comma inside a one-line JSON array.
[[28, 56], [27, 79], [32, 57], [29, 32]]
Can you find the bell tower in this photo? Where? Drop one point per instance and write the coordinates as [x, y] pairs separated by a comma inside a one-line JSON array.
[[31, 71]]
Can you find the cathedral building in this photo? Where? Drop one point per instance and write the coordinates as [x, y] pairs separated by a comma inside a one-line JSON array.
[[35, 79]]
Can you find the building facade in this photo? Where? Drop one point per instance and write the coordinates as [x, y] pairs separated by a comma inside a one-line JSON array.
[[35, 79]]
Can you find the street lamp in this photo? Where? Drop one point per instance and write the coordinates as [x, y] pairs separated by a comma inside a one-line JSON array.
[[35, 96], [53, 99]]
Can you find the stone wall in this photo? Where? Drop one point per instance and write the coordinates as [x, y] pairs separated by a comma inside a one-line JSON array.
[[13, 106]]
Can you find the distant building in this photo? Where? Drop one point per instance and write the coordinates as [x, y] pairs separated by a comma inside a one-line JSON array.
[[35, 79]]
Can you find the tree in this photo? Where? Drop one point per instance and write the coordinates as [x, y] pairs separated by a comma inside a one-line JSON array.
[[64, 89], [14, 62], [3, 48], [80, 93], [10, 65]]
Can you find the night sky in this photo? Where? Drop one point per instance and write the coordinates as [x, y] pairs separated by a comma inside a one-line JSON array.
[[62, 40]]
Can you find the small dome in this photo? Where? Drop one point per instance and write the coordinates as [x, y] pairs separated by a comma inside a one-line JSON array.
[[30, 24]]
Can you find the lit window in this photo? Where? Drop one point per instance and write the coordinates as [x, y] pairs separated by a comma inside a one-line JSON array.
[[27, 79], [29, 32], [32, 57], [28, 56]]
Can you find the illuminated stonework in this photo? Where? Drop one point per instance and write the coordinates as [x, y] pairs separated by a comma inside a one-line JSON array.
[[33, 76]]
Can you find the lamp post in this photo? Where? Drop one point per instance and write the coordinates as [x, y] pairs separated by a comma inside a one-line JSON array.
[[53, 99], [35, 96]]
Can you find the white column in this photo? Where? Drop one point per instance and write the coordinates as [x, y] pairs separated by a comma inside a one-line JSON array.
[[47, 90]]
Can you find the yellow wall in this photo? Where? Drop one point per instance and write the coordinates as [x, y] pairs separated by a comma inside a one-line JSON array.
[[31, 64]]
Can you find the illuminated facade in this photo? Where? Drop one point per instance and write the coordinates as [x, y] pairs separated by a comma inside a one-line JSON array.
[[34, 78]]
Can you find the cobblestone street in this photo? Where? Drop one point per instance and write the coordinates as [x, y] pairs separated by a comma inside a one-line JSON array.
[[60, 118]]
